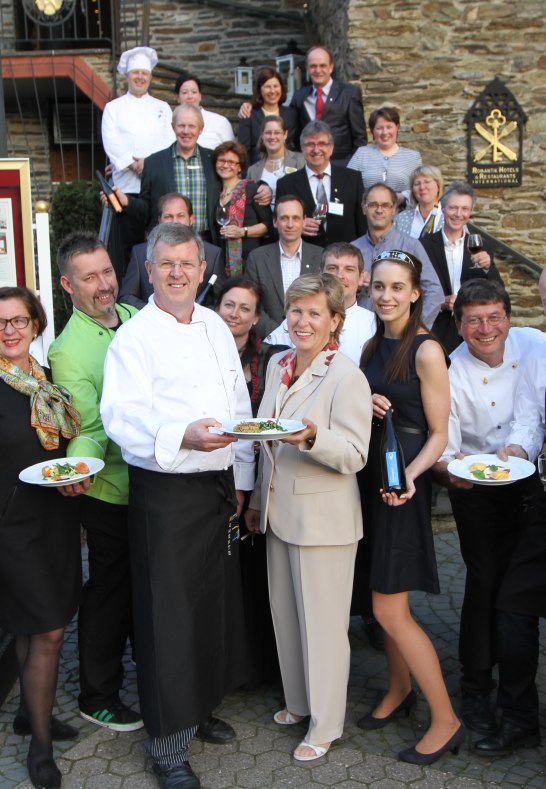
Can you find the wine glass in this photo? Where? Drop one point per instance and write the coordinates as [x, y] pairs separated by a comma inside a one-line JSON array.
[[320, 211], [542, 468], [222, 215], [475, 245]]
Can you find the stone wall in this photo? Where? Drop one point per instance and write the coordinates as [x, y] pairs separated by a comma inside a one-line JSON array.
[[431, 58]]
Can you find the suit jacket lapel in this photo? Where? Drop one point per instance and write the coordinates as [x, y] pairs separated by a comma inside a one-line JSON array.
[[295, 401], [274, 268], [442, 270]]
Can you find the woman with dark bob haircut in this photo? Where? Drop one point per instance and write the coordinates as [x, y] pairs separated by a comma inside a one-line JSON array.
[[385, 160], [243, 221], [40, 562], [268, 99]]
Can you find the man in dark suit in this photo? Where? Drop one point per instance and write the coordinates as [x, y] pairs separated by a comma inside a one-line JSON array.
[[341, 190], [338, 104], [275, 266], [136, 287], [452, 261]]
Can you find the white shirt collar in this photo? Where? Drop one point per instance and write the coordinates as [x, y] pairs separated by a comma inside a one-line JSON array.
[[327, 171], [296, 254]]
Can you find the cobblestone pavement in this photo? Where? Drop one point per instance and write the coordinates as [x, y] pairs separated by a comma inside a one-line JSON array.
[[261, 755]]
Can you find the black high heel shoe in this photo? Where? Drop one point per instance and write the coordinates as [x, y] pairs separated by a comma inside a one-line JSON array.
[[44, 773], [412, 756], [368, 721]]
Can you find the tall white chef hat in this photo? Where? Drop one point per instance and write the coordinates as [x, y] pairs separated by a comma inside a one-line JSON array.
[[137, 58]]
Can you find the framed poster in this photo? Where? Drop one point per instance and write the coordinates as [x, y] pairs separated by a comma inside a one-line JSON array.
[[16, 238]]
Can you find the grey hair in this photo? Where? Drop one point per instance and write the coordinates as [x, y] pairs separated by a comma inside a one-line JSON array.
[[316, 127], [172, 234], [458, 188], [313, 284], [183, 108]]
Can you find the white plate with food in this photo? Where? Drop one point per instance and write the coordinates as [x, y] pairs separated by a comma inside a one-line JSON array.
[[261, 429], [490, 469], [61, 471]]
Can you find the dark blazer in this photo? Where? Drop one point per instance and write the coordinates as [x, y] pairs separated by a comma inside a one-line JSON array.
[[136, 287], [248, 131], [444, 326], [344, 114], [346, 189], [158, 179], [264, 267]]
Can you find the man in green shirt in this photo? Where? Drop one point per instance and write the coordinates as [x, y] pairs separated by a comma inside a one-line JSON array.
[[76, 359]]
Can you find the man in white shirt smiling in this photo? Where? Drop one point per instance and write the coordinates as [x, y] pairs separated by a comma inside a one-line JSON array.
[[167, 381], [484, 374]]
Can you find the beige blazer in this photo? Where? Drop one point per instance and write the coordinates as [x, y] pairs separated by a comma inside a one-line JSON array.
[[309, 495]]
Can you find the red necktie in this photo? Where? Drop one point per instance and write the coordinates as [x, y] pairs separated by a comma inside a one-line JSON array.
[[319, 105]]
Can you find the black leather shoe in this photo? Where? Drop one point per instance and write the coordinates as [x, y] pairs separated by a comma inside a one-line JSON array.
[[477, 715], [370, 722], [215, 731], [44, 774], [507, 738], [180, 777], [59, 730]]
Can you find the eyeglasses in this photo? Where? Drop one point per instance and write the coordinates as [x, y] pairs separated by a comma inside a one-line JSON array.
[[394, 254], [168, 266], [383, 206], [321, 145], [492, 320], [19, 322], [227, 163]]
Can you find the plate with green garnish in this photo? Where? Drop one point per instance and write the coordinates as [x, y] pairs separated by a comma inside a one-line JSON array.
[[490, 469], [260, 429]]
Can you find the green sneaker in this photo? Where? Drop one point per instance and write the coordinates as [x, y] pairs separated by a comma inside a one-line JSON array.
[[116, 716]]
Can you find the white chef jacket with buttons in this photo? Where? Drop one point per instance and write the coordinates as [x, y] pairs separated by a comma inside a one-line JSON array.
[[482, 397], [134, 127], [529, 426], [160, 376]]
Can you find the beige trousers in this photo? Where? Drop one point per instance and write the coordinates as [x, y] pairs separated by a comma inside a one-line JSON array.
[[310, 593]]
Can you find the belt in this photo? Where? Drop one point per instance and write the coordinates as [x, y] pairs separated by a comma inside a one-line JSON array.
[[401, 429]]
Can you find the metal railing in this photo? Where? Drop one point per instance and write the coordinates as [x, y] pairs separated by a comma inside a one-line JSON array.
[[499, 247]]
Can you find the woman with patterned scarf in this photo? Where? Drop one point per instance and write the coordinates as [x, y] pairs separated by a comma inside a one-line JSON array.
[[306, 496], [243, 222], [40, 555]]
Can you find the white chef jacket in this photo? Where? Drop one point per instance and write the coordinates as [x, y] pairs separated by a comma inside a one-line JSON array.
[[159, 376], [138, 127], [529, 426], [217, 130], [483, 397], [358, 328]]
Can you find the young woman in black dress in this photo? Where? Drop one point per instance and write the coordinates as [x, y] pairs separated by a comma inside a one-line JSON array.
[[406, 369]]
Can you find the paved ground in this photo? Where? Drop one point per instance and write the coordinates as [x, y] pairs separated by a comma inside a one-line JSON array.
[[261, 756]]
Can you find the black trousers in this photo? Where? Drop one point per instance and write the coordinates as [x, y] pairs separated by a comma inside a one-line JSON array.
[[489, 523], [518, 643], [105, 618]]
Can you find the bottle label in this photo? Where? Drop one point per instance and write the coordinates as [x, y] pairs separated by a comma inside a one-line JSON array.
[[393, 476]]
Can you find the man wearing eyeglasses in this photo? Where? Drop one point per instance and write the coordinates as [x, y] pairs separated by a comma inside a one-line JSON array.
[[321, 184], [379, 208], [171, 374], [484, 373]]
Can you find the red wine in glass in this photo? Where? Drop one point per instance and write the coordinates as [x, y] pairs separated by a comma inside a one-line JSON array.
[[475, 245]]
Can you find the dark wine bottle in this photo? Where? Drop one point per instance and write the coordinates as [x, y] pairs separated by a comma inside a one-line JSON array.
[[109, 192], [393, 469]]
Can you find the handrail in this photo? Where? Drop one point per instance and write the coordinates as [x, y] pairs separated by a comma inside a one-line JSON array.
[[531, 266]]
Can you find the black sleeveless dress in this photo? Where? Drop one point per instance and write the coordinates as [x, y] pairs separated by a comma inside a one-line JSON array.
[[398, 544], [40, 551]]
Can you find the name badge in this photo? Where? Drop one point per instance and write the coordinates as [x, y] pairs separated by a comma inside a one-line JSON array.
[[335, 208]]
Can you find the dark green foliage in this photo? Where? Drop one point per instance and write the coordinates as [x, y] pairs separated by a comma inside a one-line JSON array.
[[75, 206]]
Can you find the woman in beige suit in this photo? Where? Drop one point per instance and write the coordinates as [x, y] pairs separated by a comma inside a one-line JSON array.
[[307, 498]]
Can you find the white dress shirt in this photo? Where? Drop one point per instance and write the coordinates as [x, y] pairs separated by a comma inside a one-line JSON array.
[[418, 222], [217, 130], [159, 376], [483, 397], [134, 127], [529, 426], [358, 328], [290, 266], [314, 181], [454, 256], [311, 100]]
